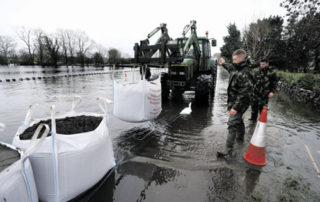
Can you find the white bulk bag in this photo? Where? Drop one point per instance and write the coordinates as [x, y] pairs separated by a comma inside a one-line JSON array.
[[13, 187], [17, 181], [67, 165], [137, 102]]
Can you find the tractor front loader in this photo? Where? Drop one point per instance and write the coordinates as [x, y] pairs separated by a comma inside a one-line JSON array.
[[188, 60]]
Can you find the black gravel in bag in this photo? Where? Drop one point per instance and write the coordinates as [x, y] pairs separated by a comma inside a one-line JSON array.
[[7, 157], [66, 126]]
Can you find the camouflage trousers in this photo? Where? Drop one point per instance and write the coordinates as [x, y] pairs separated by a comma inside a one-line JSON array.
[[256, 108], [236, 129]]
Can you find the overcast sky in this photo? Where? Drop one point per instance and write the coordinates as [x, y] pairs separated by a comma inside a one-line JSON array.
[[121, 23]]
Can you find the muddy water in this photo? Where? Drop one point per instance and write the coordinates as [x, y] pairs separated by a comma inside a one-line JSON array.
[[174, 157]]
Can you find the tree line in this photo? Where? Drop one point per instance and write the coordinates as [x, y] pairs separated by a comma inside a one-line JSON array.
[[292, 46], [64, 47]]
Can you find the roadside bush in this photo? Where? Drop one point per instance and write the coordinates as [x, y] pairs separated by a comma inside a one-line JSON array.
[[306, 81]]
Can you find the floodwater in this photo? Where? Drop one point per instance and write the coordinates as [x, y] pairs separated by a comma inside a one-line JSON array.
[[174, 157]]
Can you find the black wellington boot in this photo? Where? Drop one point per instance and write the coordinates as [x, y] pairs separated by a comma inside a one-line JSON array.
[[226, 152]]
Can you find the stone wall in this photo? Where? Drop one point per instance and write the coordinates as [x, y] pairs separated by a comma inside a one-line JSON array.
[[301, 95]]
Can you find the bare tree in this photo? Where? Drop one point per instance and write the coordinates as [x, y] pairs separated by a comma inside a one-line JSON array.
[[103, 51], [71, 44], [83, 46], [39, 45], [99, 54], [52, 48], [256, 40], [63, 41], [7, 47], [25, 34]]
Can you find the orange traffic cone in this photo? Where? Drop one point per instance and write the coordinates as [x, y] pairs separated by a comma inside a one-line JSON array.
[[256, 153]]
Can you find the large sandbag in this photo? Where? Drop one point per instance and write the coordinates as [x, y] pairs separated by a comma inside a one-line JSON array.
[[16, 175], [68, 164], [137, 102], [13, 186]]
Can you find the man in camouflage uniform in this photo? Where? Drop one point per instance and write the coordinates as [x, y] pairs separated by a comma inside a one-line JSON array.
[[239, 92], [264, 88]]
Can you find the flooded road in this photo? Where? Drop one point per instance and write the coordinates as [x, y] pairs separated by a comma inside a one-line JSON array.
[[177, 161]]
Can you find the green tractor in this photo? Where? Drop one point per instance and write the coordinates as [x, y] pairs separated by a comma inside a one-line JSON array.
[[188, 60]]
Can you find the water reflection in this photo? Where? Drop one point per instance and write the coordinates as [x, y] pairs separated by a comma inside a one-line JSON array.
[[231, 185], [145, 176], [152, 175], [251, 180], [225, 184], [148, 172], [102, 191]]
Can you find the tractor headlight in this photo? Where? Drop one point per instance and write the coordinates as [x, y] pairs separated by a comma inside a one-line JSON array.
[[173, 73], [181, 73]]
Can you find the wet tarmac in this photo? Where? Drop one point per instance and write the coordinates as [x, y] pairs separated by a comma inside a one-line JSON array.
[[174, 157]]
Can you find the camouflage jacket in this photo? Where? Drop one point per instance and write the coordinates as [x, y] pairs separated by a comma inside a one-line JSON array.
[[229, 67], [265, 82], [240, 86]]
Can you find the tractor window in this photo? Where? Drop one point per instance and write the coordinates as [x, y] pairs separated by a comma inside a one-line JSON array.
[[207, 51], [200, 46], [191, 52]]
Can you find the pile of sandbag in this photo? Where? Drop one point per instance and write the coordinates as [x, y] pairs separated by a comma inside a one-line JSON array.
[[137, 101]]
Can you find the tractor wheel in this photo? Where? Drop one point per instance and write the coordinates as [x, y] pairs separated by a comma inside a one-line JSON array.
[[165, 90], [214, 74], [204, 88]]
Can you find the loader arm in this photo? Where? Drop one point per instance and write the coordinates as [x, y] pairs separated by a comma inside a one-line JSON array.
[[192, 41], [170, 51], [144, 52]]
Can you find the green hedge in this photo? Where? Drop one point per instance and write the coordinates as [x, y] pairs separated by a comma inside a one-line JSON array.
[[303, 80]]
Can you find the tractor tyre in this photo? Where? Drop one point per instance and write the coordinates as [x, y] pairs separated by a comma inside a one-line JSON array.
[[204, 88], [214, 74]]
